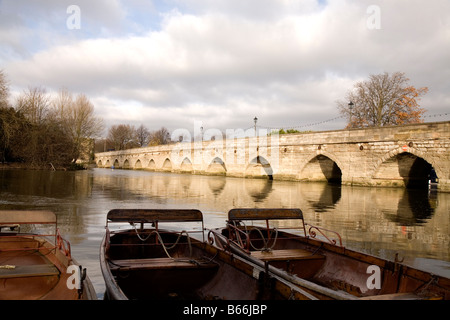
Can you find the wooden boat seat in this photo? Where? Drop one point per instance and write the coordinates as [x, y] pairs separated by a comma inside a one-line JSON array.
[[158, 263], [286, 254], [28, 271]]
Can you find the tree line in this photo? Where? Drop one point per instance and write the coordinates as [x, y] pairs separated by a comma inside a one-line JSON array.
[[125, 136], [43, 131]]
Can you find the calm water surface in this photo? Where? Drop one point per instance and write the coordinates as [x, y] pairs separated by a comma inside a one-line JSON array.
[[379, 221]]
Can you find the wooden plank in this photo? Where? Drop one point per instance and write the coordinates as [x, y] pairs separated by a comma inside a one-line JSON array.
[[394, 296], [264, 214], [285, 254], [28, 271], [158, 263], [8, 217], [152, 215]]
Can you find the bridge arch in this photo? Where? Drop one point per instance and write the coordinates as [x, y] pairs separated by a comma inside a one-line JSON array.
[[217, 166], [107, 164], [407, 167], [322, 166], [167, 165], [151, 165], [126, 164], [116, 164], [186, 165], [138, 164], [259, 166], [99, 163]]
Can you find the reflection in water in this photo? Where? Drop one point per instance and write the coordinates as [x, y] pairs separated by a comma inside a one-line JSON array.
[[379, 221], [415, 207], [258, 189], [217, 185], [329, 197]]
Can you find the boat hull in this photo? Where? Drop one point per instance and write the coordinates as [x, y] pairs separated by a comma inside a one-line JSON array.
[[327, 270], [38, 266], [207, 273], [32, 269]]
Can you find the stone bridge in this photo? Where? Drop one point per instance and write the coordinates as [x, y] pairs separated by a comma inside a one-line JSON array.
[[396, 156]]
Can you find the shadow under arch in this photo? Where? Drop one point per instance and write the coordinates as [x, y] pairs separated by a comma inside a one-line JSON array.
[[217, 166], [151, 165], [322, 167], [167, 165], [186, 165], [408, 169], [138, 164], [259, 166]]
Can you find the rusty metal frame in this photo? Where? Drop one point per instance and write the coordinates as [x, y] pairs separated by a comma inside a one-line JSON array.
[[324, 232], [242, 238], [154, 217]]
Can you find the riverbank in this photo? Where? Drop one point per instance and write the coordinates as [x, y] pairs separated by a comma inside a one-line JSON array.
[[49, 166]]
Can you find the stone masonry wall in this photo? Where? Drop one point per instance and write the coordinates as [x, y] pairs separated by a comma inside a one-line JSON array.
[[386, 156]]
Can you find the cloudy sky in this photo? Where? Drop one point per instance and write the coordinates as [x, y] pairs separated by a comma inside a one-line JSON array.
[[174, 63]]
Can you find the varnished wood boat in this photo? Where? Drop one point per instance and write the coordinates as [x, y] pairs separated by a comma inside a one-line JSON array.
[[38, 266], [323, 267], [140, 259]]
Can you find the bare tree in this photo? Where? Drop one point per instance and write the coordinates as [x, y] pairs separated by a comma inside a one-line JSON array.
[[158, 137], [78, 119], [11, 128], [382, 100], [34, 104], [122, 136], [61, 105], [84, 124], [4, 90], [142, 135], [6, 126]]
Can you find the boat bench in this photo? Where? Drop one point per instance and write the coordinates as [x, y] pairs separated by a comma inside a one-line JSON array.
[[286, 254], [28, 271], [158, 263]]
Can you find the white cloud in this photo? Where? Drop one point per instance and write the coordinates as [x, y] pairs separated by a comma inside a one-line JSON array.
[[224, 62]]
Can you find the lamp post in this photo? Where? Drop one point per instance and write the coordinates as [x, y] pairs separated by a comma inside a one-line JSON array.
[[350, 107], [255, 120]]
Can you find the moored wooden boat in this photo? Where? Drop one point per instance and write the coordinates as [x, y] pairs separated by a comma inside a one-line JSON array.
[[322, 267], [140, 258], [38, 266]]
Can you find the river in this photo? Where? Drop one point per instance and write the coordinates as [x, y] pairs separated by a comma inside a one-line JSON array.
[[378, 221]]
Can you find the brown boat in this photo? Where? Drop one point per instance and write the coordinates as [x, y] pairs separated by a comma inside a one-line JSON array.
[[322, 267], [140, 258], [38, 266]]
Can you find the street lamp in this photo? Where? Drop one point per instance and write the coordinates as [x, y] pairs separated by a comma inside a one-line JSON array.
[[255, 120], [350, 107]]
